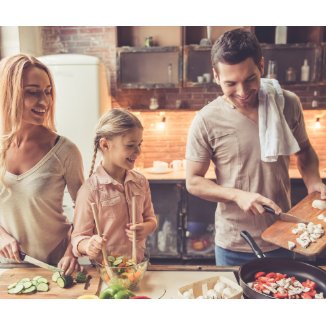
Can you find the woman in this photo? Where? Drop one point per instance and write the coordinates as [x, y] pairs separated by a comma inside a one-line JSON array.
[[35, 166]]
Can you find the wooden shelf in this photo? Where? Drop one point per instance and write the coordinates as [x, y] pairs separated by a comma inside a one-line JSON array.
[[295, 34], [162, 35]]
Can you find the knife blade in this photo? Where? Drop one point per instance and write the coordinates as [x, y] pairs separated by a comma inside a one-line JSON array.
[[36, 262], [286, 217]]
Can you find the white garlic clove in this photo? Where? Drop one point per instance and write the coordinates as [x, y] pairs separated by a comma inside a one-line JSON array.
[[321, 217], [319, 204], [295, 231], [301, 226]]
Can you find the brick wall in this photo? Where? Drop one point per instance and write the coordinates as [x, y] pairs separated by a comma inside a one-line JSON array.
[[170, 143], [98, 41]]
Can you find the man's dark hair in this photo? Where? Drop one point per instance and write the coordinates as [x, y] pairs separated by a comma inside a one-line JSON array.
[[234, 47]]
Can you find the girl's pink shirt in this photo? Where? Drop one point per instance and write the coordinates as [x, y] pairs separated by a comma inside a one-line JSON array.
[[113, 201]]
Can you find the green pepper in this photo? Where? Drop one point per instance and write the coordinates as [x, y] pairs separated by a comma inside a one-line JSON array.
[[109, 292], [122, 295]]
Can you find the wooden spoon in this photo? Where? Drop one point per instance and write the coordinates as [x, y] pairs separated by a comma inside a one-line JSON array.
[[134, 248], [99, 231]]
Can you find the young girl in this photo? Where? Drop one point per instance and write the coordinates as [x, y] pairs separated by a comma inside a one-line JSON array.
[[112, 186]]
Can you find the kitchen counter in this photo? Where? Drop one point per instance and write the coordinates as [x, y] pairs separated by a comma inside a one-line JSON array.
[[181, 175], [166, 277]]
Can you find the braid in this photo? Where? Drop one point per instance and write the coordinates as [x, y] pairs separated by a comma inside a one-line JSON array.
[[94, 158]]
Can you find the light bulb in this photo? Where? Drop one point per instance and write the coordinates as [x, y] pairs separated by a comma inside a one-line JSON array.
[[161, 125]]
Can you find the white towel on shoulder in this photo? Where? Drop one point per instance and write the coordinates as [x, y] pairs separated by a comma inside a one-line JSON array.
[[275, 135]]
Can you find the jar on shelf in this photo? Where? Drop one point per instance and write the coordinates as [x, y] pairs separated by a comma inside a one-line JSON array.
[[149, 41], [290, 76]]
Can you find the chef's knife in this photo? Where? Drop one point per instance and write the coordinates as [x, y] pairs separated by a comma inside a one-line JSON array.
[[39, 263], [285, 217]]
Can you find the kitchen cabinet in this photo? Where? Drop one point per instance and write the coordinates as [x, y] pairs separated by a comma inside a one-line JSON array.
[[152, 67], [293, 55], [295, 34], [177, 59], [197, 62]]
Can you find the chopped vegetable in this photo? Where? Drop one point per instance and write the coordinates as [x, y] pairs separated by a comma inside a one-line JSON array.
[[81, 277], [64, 281], [42, 287], [55, 276]]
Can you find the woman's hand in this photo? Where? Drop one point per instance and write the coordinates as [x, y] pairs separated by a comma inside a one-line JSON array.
[[69, 264], [9, 247], [95, 245]]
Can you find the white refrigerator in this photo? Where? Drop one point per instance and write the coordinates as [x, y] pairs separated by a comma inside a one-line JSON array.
[[82, 86]]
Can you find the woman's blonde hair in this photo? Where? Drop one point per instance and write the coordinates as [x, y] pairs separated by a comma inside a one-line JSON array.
[[113, 123], [12, 103]]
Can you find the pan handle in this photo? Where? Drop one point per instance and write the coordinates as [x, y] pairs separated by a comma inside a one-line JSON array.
[[252, 244]]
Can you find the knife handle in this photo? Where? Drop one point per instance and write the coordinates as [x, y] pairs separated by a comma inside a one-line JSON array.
[[269, 210], [22, 255]]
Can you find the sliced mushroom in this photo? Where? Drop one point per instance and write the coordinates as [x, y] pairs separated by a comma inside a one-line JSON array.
[[301, 226], [321, 217], [319, 231], [270, 288], [266, 291], [315, 235], [282, 281], [281, 290], [319, 296], [312, 239], [303, 243], [291, 246], [319, 226], [295, 231]]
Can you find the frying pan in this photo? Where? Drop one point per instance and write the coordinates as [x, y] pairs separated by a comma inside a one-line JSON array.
[[302, 271]]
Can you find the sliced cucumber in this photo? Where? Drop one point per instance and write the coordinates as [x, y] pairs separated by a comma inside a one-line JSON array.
[[81, 278], [19, 287], [23, 280], [55, 276], [36, 278], [34, 282], [27, 285], [42, 287], [12, 286], [64, 281], [117, 262], [42, 280], [111, 259], [29, 290]]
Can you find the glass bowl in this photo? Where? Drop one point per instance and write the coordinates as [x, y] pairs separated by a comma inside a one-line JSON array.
[[128, 276]]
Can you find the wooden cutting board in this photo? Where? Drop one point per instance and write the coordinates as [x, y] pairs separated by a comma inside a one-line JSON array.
[[281, 232], [55, 292]]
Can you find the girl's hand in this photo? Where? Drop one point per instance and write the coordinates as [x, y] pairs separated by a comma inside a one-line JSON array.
[[9, 247], [141, 232], [69, 264], [94, 245]]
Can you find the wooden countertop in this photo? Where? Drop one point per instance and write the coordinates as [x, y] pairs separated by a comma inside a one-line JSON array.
[[181, 175]]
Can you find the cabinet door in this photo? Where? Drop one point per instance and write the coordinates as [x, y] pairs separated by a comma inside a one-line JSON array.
[[199, 228], [166, 241]]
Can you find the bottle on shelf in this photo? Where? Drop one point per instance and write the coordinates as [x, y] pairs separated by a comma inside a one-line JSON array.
[[272, 69], [305, 71], [314, 103], [170, 73], [280, 34]]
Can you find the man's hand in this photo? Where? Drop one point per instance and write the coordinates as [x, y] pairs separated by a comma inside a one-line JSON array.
[[319, 187], [9, 247], [251, 203]]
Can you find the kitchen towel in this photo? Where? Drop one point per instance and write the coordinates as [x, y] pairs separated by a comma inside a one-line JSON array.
[[275, 135]]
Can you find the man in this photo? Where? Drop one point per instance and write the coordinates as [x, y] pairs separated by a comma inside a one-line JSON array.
[[227, 132]]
